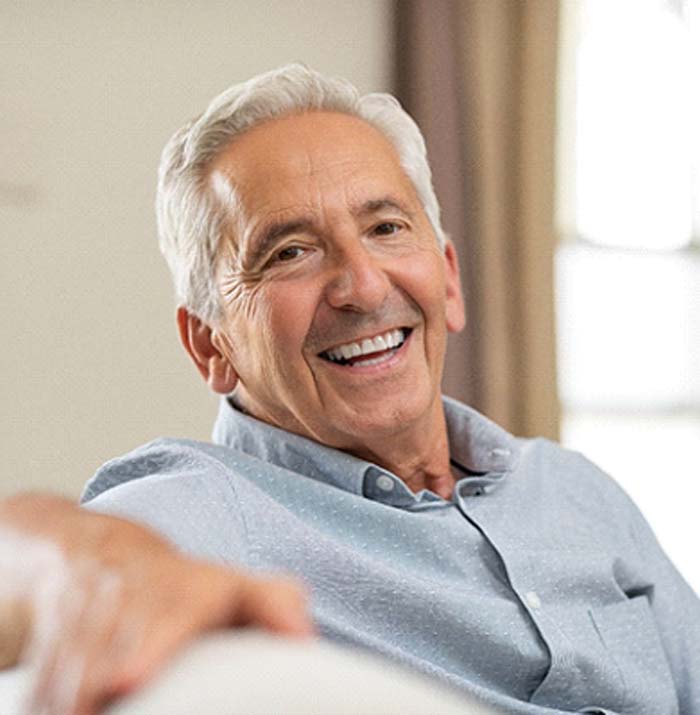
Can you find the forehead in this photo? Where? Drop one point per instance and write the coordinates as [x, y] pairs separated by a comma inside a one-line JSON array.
[[312, 161]]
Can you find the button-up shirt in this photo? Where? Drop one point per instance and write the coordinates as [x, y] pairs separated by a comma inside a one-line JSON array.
[[538, 587]]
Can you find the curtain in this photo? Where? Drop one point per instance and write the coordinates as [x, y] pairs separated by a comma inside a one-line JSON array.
[[479, 78]]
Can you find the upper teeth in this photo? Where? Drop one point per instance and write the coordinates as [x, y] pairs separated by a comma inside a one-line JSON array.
[[369, 345]]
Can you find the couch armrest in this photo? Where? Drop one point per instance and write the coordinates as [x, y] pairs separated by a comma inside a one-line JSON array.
[[259, 674], [254, 673]]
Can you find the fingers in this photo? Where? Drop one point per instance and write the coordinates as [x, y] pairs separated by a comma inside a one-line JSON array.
[[215, 598], [111, 602], [161, 636], [101, 632], [109, 638], [15, 622], [277, 605], [75, 646]]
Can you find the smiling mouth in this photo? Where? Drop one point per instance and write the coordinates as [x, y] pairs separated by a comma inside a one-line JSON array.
[[370, 351]]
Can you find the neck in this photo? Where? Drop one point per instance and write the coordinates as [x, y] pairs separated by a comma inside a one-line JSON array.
[[418, 455]]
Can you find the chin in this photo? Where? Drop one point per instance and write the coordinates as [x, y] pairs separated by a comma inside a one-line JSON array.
[[376, 418]]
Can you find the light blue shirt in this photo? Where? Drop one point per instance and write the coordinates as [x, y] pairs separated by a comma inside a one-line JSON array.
[[538, 587]]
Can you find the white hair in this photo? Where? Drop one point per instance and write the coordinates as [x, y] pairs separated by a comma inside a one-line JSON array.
[[191, 212]]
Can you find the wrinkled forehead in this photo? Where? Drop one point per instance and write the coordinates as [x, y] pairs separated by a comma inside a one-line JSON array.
[[293, 140], [312, 163]]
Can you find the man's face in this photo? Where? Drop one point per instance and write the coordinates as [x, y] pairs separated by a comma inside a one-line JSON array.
[[333, 256]]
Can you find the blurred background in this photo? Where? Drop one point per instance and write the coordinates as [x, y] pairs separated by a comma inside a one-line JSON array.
[[564, 141]]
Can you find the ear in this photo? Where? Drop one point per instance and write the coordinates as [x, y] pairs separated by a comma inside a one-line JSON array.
[[204, 347], [454, 304]]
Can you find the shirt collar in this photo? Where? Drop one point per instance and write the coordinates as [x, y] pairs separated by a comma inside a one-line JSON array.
[[476, 443], [480, 449], [247, 434]]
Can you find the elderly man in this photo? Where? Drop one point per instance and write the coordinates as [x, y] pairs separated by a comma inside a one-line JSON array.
[[316, 291]]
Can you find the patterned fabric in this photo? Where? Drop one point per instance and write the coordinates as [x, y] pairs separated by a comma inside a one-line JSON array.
[[538, 587]]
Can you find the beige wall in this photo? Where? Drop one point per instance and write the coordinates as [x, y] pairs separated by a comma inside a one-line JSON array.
[[90, 362]]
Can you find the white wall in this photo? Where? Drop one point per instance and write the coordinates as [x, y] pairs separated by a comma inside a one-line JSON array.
[[90, 364]]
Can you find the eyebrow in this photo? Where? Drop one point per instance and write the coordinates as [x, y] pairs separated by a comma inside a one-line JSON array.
[[374, 206], [277, 230]]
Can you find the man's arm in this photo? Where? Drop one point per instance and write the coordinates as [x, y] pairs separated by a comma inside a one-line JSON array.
[[100, 603], [676, 609]]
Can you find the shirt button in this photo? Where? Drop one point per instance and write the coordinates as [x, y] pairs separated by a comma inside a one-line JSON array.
[[385, 483], [533, 600]]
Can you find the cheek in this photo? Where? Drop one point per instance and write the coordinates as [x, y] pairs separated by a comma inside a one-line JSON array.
[[251, 331], [424, 280], [286, 319]]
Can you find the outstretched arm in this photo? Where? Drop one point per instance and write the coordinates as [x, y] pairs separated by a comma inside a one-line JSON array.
[[97, 604]]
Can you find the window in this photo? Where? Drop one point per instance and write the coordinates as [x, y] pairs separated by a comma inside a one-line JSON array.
[[628, 267]]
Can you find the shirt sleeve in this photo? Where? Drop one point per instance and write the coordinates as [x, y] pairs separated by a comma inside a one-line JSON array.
[[642, 569], [676, 609], [186, 495]]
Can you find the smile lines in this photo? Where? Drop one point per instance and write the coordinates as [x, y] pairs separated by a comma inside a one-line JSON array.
[[348, 352]]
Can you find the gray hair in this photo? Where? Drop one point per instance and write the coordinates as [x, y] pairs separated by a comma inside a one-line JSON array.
[[192, 216]]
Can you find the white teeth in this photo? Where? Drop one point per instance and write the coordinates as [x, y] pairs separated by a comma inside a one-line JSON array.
[[347, 351], [380, 344], [374, 361], [368, 347], [377, 344]]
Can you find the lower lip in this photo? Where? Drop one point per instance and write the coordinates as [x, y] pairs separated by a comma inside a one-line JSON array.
[[386, 364]]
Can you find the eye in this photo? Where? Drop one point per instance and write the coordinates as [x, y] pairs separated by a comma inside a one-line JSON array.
[[387, 228], [289, 253]]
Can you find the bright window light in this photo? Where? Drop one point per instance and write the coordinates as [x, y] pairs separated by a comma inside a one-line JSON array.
[[628, 270], [637, 119]]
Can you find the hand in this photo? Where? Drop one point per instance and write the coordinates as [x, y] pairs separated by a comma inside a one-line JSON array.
[[120, 600]]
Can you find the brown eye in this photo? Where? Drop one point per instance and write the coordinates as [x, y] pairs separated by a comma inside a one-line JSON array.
[[387, 228], [289, 253]]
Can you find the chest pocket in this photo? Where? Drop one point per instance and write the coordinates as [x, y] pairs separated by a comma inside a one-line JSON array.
[[631, 641]]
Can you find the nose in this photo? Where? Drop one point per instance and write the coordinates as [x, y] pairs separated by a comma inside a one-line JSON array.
[[357, 280]]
